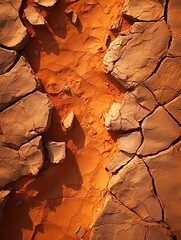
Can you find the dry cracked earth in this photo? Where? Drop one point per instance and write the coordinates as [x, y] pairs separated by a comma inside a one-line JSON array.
[[90, 115]]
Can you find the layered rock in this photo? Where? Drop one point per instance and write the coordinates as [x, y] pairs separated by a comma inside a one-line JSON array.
[[132, 57]]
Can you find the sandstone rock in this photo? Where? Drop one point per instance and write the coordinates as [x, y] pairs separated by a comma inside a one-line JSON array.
[[73, 16], [129, 142], [25, 119], [134, 107], [13, 33], [7, 59], [144, 10], [166, 82], [3, 198], [117, 222], [132, 186], [159, 131], [174, 21], [16, 163], [68, 121], [118, 161], [46, 3], [34, 17], [174, 108], [15, 84], [16, 4], [148, 41], [165, 168], [57, 151]]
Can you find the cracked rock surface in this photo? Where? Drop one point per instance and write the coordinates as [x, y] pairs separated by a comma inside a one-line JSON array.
[[135, 53], [145, 185]]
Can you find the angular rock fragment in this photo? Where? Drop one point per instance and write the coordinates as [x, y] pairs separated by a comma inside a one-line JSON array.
[[132, 186], [165, 169], [174, 108], [34, 17], [25, 119], [68, 121], [46, 3], [159, 131], [129, 142], [144, 10], [16, 163], [13, 33], [7, 59], [166, 82], [134, 54], [120, 160], [81, 232], [73, 17], [3, 198], [15, 84], [56, 151], [174, 22], [134, 107], [117, 222]]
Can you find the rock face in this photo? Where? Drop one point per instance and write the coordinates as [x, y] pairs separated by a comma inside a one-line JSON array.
[[57, 151], [34, 17], [165, 168], [127, 115], [14, 129], [148, 41], [117, 222], [7, 59], [16, 163], [12, 83], [46, 3], [144, 10], [13, 33], [132, 186], [174, 21], [159, 131]]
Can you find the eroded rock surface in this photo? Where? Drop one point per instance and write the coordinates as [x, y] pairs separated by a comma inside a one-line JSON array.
[[13, 33], [34, 17], [144, 10], [16, 163], [129, 142], [165, 84], [118, 222], [133, 187], [165, 168], [12, 83], [7, 59], [174, 21], [159, 131], [134, 54], [35, 109], [127, 114]]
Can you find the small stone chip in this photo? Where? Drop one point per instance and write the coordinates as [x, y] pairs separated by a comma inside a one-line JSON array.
[[57, 151], [68, 121]]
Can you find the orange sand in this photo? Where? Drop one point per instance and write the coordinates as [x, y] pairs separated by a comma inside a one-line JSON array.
[[64, 197]]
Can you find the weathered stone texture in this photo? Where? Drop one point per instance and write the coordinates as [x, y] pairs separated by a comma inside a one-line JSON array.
[[7, 59]]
